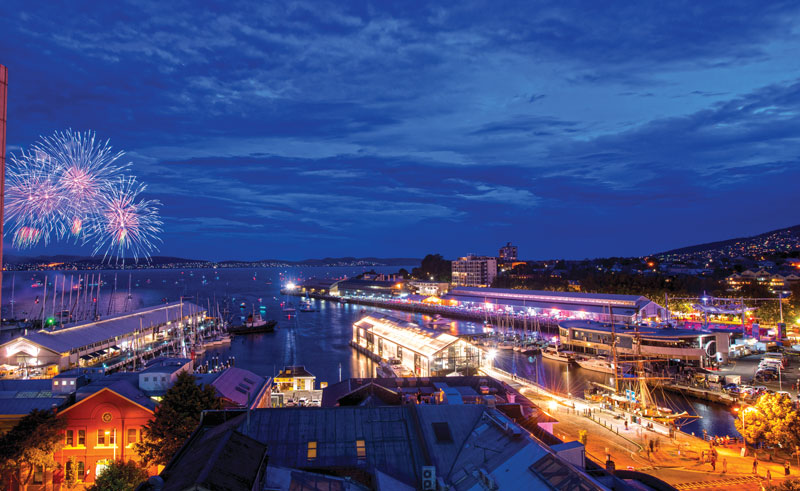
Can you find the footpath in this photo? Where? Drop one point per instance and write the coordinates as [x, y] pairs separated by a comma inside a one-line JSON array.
[[678, 460]]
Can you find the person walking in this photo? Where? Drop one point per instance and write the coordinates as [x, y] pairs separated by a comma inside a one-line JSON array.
[[755, 466], [724, 465], [713, 464], [769, 477], [786, 468]]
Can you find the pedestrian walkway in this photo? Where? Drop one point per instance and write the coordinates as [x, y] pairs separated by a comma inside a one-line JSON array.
[[674, 460], [718, 483]]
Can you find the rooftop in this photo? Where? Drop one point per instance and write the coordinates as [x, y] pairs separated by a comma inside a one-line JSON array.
[[644, 331], [407, 334], [87, 333], [541, 295]]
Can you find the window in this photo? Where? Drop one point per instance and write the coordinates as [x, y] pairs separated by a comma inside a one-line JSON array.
[[131, 435], [147, 379], [81, 473], [38, 475], [71, 382], [70, 438], [312, 450], [81, 438], [163, 379], [361, 449], [101, 437]]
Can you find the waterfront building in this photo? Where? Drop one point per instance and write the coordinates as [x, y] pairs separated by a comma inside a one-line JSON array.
[[474, 271], [366, 288], [47, 352], [594, 306], [508, 253], [422, 352], [321, 286], [414, 446], [428, 288], [688, 345]]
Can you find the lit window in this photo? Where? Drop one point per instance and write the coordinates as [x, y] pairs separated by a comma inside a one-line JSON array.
[[312, 450], [361, 449], [81, 473], [38, 475], [71, 382], [131, 435], [70, 438], [101, 437], [81, 438]]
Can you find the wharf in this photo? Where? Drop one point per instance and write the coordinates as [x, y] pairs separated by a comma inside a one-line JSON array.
[[676, 457], [703, 394], [518, 323]]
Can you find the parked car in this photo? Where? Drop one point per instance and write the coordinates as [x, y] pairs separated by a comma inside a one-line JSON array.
[[730, 388]]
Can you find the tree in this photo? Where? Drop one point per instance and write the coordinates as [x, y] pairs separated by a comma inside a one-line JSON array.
[[433, 267], [786, 485], [120, 476], [175, 419], [772, 418], [30, 444]]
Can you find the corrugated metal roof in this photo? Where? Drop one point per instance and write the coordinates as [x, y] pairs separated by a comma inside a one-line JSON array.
[[407, 334], [88, 333], [550, 296]]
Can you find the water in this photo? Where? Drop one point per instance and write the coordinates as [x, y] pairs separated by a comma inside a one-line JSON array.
[[319, 340]]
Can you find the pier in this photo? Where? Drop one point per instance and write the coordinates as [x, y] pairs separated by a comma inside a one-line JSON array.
[[516, 322]]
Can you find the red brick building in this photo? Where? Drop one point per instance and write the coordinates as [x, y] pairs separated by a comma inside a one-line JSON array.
[[104, 426]]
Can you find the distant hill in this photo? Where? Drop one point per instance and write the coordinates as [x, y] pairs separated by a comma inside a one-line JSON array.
[[781, 240], [156, 261]]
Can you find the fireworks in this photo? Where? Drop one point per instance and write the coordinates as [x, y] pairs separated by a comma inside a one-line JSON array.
[[126, 223], [70, 185]]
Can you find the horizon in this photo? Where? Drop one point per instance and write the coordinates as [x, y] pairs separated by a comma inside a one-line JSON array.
[[346, 130]]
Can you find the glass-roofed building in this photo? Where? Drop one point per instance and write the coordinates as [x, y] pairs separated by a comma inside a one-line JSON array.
[[423, 352]]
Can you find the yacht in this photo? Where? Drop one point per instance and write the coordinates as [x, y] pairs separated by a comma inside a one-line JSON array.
[[598, 364], [552, 353]]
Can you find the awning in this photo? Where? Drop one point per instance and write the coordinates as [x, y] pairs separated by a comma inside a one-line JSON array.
[[116, 347], [86, 358]]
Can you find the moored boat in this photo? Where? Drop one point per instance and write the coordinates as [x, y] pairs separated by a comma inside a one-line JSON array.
[[552, 353]]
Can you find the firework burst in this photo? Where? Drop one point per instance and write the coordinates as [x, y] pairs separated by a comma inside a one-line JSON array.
[[34, 201], [126, 224], [85, 168], [70, 185]]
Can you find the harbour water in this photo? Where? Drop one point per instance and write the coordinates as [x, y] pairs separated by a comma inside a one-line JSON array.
[[319, 340]]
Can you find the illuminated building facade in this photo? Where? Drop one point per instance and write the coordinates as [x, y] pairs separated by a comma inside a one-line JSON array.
[[422, 352], [474, 271]]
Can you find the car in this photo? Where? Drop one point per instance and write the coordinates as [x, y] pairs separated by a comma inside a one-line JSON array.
[[315, 403], [302, 401], [730, 387], [784, 393]]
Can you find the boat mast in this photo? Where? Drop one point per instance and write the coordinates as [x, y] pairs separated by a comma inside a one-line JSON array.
[[614, 348]]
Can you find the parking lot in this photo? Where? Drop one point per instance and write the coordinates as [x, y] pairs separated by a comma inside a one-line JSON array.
[[747, 367]]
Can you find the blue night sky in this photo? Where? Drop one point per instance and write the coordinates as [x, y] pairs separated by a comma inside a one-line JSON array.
[[312, 129]]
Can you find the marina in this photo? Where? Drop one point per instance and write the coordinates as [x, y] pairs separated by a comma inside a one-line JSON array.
[[320, 339]]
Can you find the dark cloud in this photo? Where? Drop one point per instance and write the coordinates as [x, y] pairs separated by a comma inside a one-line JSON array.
[[297, 129]]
